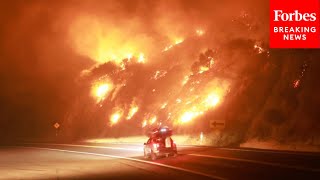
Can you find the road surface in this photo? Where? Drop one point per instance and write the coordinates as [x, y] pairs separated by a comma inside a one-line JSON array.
[[125, 161]]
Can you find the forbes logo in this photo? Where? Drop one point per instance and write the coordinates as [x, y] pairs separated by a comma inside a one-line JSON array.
[[279, 15]]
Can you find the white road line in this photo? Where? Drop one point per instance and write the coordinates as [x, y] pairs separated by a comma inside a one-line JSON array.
[[269, 151], [257, 162], [131, 159], [92, 146], [89, 146]]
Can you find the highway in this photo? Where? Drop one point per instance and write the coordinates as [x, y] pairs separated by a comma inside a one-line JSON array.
[[125, 161]]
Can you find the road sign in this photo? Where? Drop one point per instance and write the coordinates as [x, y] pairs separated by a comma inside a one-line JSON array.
[[56, 125], [217, 124]]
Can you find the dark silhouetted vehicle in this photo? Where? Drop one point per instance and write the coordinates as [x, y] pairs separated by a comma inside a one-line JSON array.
[[160, 144]]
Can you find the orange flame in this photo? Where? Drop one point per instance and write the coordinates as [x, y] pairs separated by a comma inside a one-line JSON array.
[[104, 41], [115, 117], [100, 90], [200, 32], [133, 110]]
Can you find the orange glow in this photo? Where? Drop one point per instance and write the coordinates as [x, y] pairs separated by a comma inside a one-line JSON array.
[[153, 120], [296, 83], [187, 116], [259, 48], [133, 110], [104, 41], [203, 69], [129, 56], [212, 100], [168, 47], [178, 100], [141, 58], [197, 104], [144, 123], [164, 105], [100, 90], [200, 32], [115, 117], [211, 62], [185, 80], [178, 41]]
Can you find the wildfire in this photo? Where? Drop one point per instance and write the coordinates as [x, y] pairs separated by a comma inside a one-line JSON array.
[[104, 41], [153, 120], [200, 32], [168, 47], [144, 123], [178, 41], [101, 90], [296, 83], [212, 100], [159, 74], [115, 117], [197, 104], [187, 117], [185, 80], [141, 58], [259, 48], [133, 110], [197, 96], [129, 56], [203, 69], [164, 105]]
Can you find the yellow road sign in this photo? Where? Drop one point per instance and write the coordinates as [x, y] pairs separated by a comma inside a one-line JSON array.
[[56, 125]]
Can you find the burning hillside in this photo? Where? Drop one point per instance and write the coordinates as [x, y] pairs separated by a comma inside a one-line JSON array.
[[115, 68], [179, 85]]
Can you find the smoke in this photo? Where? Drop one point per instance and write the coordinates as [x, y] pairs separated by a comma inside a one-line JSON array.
[[44, 51], [111, 68]]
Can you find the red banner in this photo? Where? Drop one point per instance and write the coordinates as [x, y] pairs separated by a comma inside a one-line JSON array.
[[294, 24]]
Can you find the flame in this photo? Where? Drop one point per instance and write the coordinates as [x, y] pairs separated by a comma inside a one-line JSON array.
[[100, 90], [104, 41], [129, 56], [164, 105], [200, 32], [168, 47], [178, 101], [133, 110], [259, 48], [211, 62], [115, 117], [185, 80], [203, 69], [144, 123], [190, 115], [159, 74], [153, 120], [296, 83], [197, 104], [212, 100], [178, 41], [141, 58], [187, 116]]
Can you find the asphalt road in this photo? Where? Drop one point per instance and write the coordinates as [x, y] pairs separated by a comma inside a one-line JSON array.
[[125, 161]]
